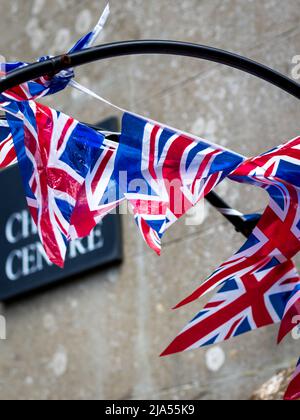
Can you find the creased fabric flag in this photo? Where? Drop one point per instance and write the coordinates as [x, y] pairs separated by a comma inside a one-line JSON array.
[[8, 155], [100, 193], [55, 153], [49, 85], [293, 391], [291, 319], [163, 173], [244, 303], [277, 234], [88, 40], [44, 86], [277, 171], [160, 172], [263, 261]]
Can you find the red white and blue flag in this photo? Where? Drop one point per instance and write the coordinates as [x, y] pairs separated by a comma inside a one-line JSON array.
[[99, 194], [244, 303], [8, 155], [49, 85], [55, 154], [291, 318], [44, 86], [276, 172], [160, 172], [88, 40], [293, 391], [259, 283], [74, 176], [164, 173]]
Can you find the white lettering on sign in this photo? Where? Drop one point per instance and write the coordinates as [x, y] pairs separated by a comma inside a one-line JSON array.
[[19, 226], [31, 259], [94, 241]]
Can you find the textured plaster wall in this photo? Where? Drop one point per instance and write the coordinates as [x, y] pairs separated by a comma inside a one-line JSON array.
[[100, 336]]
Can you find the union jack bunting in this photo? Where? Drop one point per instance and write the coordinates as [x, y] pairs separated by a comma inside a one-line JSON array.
[[276, 171], [293, 391], [7, 151], [49, 85], [253, 300], [88, 40], [245, 303], [291, 317], [99, 194], [264, 263], [280, 220], [163, 174], [55, 154]]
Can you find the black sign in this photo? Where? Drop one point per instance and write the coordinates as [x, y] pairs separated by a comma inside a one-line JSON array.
[[23, 264]]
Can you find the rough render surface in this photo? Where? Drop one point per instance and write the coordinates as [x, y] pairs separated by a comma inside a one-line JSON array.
[[275, 388], [100, 336]]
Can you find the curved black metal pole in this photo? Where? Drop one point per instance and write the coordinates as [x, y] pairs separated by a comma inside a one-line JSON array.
[[120, 49]]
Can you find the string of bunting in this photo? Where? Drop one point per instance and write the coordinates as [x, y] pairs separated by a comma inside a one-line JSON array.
[[74, 176]]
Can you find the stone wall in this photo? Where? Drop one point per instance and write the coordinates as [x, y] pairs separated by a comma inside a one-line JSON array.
[[100, 336]]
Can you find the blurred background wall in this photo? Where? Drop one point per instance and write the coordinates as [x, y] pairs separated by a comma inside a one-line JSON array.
[[100, 336]]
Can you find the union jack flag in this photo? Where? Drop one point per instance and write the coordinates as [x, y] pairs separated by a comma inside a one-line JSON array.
[[276, 171], [38, 88], [49, 85], [160, 172], [7, 151], [262, 264], [280, 220], [55, 154], [88, 40], [244, 303], [99, 195], [291, 317], [293, 391], [67, 203], [166, 173]]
